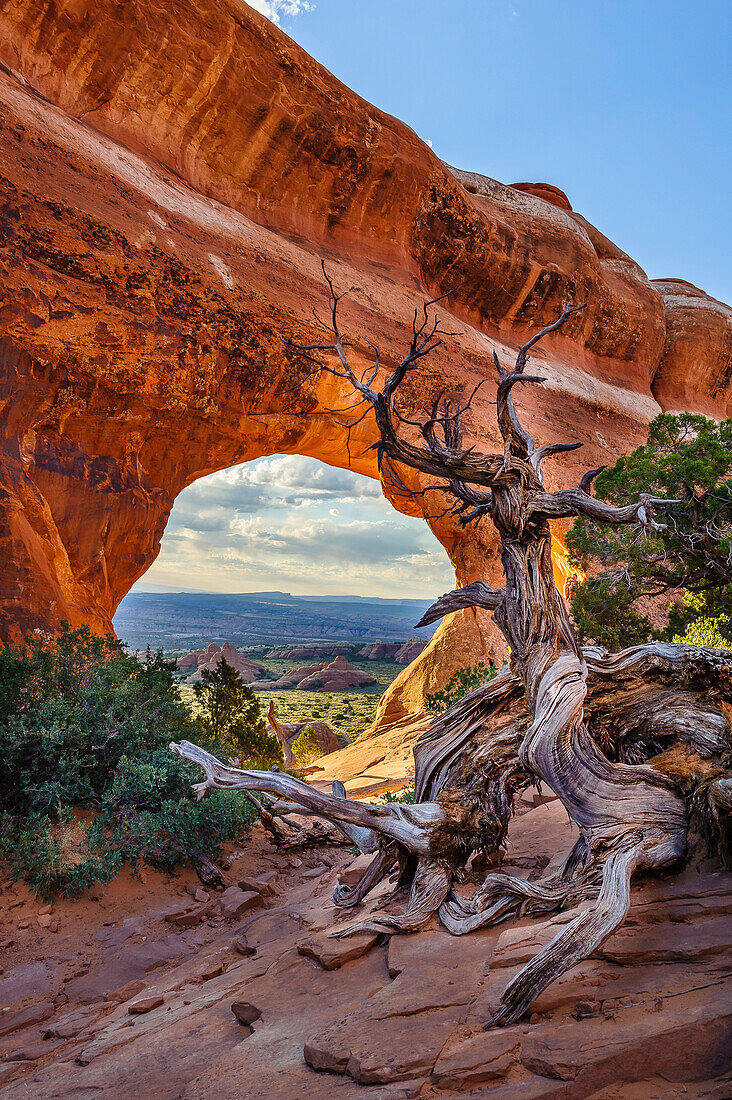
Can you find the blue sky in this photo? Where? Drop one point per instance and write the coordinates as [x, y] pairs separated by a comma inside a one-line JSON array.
[[625, 106]]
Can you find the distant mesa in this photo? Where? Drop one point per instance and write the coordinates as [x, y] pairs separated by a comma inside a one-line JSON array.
[[210, 657], [339, 675], [401, 652]]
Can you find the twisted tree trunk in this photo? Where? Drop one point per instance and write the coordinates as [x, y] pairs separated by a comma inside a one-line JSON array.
[[544, 719]]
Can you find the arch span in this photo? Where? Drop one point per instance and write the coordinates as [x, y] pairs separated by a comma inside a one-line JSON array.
[[156, 242]]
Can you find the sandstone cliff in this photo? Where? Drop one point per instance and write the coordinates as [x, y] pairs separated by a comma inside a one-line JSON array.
[[171, 176]]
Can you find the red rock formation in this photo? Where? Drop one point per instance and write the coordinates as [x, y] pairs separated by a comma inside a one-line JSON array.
[[409, 651], [339, 675], [171, 176], [288, 679], [379, 651], [209, 658]]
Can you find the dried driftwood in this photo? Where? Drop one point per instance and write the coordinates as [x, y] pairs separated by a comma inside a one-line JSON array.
[[634, 744]]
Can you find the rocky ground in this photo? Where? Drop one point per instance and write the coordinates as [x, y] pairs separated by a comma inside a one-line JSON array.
[[130, 993]]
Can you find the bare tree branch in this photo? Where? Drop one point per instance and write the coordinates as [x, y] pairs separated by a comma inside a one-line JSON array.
[[477, 594]]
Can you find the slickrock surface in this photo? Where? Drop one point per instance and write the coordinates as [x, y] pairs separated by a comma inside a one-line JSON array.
[[172, 175], [118, 1004]]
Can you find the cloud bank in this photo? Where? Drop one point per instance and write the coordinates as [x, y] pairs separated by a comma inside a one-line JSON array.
[[293, 523]]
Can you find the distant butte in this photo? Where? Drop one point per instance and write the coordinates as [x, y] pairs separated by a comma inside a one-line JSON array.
[[168, 190]]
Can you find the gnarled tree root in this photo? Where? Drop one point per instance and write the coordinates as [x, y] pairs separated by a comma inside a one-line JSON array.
[[631, 817]]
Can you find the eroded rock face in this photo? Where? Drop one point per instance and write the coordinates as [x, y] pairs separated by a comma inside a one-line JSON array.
[[339, 675], [210, 658], [171, 178]]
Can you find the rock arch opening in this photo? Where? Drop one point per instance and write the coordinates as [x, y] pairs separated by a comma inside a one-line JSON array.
[[295, 524], [288, 549]]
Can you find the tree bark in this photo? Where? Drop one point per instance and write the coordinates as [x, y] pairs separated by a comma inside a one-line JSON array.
[[587, 725]]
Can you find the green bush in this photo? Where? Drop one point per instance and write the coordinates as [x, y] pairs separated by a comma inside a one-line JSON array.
[[697, 628], [230, 713], [87, 781], [688, 459], [306, 747], [459, 684], [405, 796]]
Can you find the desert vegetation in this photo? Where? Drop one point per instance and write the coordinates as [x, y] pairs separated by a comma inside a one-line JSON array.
[[460, 683], [87, 783], [681, 570], [636, 744]]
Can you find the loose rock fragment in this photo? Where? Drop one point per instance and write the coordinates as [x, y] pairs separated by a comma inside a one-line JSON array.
[[234, 901], [245, 1012], [145, 1004], [332, 954]]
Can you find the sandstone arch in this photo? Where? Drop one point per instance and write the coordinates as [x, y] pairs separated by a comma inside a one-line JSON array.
[[168, 188]]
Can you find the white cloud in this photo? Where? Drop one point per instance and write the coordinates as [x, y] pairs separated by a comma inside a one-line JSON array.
[[273, 9], [292, 523], [308, 477]]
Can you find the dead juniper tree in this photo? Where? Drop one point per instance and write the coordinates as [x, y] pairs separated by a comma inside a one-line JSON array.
[[634, 744]]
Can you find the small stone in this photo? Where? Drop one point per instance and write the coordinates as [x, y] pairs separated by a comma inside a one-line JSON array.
[[212, 970], [243, 947], [125, 992], [145, 1004], [333, 953], [234, 901], [44, 910], [23, 924], [245, 1012], [188, 917], [53, 926], [44, 920], [262, 884], [534, 1018]]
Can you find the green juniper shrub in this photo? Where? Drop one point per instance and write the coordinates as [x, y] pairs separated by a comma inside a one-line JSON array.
[[687, 458], [405, 796], [230, 713], [87, 781], [696, 625], [306, 747], [459, 684], [603, 610]]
